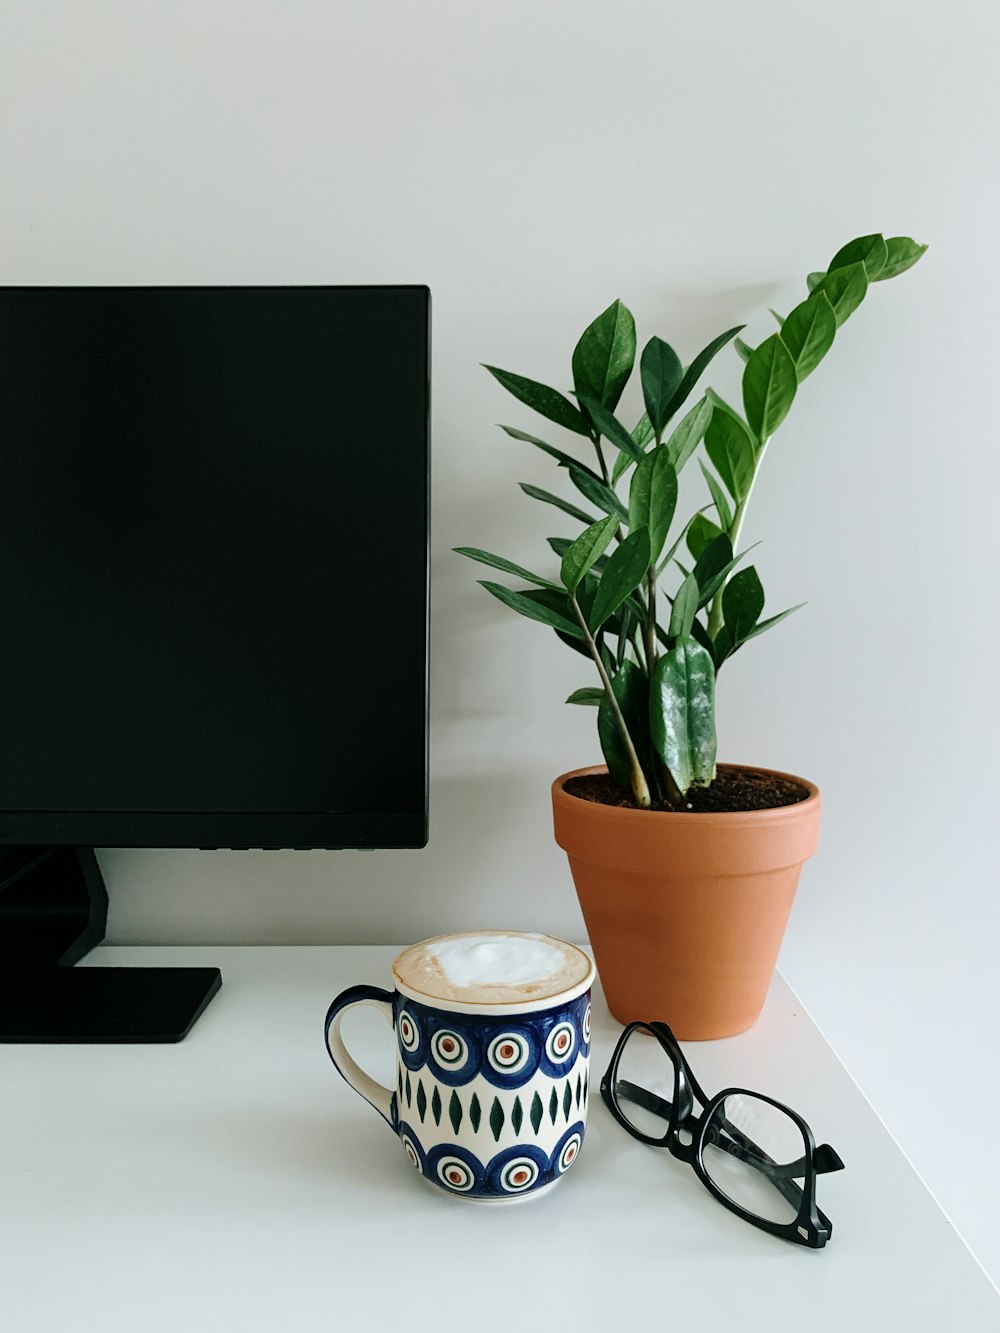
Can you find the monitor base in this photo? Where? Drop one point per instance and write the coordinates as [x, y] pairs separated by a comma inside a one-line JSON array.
[[104, 1004], [53, 910]]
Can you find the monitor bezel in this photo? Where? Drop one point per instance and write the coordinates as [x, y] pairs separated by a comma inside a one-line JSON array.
[[248, 830]]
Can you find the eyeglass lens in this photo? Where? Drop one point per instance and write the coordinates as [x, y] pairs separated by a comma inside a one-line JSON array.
[[756, 1155], [644, 1084]]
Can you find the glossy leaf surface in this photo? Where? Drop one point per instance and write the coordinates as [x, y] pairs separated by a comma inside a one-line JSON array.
[[625, 570], [631, 689], [507, 566], [769, 387], [540, 398], [688, 433], [868, 250], [901, 253], [597, 493], [653, 497], [682, 713], [581, 555], [808, 333], [553, 611], [845, 288], [546, 497], [697, 368], [604, 356], [661, 373], [731, 449]]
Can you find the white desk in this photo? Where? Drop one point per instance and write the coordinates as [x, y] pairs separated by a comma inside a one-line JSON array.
[[234, 1182]]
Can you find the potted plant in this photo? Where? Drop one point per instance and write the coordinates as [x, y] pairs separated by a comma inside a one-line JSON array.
[[685, 869]]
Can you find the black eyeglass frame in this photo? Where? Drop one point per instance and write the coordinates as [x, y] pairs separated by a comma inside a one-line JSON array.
[[811, 1227]]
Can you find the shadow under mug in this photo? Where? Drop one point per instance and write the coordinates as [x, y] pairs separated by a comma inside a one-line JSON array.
[[490, 1101]]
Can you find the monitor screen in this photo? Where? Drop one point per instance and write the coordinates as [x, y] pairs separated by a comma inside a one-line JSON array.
[[213, 566]]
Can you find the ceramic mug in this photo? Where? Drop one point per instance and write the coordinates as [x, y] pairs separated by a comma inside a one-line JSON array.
[[491, 1095]]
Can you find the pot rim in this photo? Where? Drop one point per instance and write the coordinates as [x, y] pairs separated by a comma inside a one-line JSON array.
[[772, 814]]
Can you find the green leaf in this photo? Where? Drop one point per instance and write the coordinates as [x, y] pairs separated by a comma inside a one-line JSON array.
[[563, 459], [540, 398], [813, 280], [652, 497], [778, 319], [867, 250], [625, 570], [744, 350], [742, 603], [578, 644], [763, 625], [631, 689], [588, 547], [508, 566], [682, 713], [713, 581], [622, 464], [643, 432], [901, 253], [769, 386], [560, 545], [719, 496], [715, 558], [666, 558], [731, 449], [846, 288], [808, 333], [588, 694], [604, 356], [685, 608], [542, 609], [701, 532], [700, 634], [694, 371], [661, 373], [597, 493], [609, 425], [688, 433], [548, 498]]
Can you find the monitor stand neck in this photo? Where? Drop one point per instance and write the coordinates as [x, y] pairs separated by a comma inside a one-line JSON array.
[[54, 910]]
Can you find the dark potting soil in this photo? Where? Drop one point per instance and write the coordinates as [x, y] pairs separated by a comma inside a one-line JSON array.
[[733, 789]]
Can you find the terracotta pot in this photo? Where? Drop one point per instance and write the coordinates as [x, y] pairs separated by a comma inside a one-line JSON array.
[[686, 912]]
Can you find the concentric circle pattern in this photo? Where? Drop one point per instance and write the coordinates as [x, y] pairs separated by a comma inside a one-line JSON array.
[[409, 1033], [568, 1152], [519, 1175], [560, 1043], [508, 1053], [411, 1152], [449, 1049], [455, 1174]]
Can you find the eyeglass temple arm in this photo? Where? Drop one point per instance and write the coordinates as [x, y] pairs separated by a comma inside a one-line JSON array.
[[824, 1160], [642, 1097]]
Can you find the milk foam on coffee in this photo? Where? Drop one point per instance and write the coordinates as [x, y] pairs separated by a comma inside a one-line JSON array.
[[492, 967]]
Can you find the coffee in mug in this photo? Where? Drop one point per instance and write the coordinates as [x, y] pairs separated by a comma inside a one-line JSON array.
[[493, 1059]]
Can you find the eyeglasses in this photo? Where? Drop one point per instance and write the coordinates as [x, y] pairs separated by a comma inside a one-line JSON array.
[[755, 1155]]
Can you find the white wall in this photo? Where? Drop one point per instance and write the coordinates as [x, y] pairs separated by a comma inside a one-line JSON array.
[[532, 161]]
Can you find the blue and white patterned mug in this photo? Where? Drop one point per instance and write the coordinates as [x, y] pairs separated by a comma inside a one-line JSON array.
[[493, 1059]]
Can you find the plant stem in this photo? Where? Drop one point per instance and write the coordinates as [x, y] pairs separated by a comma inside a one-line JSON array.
[[640, 656], [715, 614], [600, 458], [640, 789], [651, 622]]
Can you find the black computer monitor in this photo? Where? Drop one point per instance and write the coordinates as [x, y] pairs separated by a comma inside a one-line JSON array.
[[213, 601]]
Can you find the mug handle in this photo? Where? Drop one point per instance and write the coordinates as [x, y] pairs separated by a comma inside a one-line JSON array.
[[350, 1071]]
